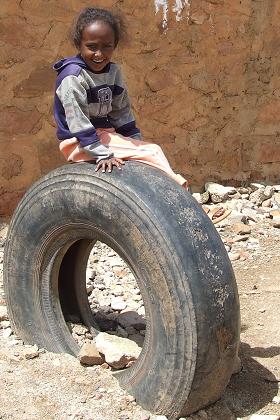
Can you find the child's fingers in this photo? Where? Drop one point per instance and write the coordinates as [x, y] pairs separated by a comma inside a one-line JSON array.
[[98, 166], [110, 164], [118, 163]]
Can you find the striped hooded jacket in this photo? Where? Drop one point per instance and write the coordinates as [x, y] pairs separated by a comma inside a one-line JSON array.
[[85, 101]]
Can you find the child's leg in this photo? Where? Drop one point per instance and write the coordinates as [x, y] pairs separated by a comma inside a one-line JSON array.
[[124, 148], [130, 149]]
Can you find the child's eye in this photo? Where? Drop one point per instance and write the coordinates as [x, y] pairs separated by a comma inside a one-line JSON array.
[[107, 47], [96, 47], [93, 47]]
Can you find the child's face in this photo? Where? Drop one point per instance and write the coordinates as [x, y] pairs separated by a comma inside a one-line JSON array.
[[97, 45]]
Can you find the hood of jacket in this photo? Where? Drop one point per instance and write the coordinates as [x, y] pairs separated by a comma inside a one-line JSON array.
[[76, 59]]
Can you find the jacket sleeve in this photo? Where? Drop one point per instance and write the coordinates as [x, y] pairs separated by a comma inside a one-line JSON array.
[[121, 117], [73, 97]]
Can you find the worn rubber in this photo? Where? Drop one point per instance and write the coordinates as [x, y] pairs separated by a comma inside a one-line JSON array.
[[179, 261]]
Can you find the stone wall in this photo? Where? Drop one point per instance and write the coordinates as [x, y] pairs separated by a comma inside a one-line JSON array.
[[206, 87]]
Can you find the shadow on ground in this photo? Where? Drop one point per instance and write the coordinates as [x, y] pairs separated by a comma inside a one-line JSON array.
[[256, 385]]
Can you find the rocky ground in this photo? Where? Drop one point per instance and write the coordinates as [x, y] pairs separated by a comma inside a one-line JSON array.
[[40, 385]]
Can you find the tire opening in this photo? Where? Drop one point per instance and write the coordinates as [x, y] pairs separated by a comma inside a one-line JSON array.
[[99, 293]]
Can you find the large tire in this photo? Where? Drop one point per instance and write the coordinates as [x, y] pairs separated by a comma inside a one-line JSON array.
[[180, 263]]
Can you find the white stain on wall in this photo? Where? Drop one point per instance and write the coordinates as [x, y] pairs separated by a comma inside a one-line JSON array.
[[178, 7]]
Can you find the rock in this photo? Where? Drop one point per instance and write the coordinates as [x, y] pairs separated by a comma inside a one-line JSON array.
[[253, 243], [89, 355], [121, 332], [132, 319], [234, 256], [276, 222], [30, 352], [267, 203], [141, 311], [219, 193], [202, 198], [3, 313], [260, 195], [5, 324], [264, 417], [241, 229], [79, 329], [117, 304], [118, 351], [90, 273], [138, 339], [130, 330], [276, 198], [89, 289], [256, 186], [276, 400], [244, 190], [274, 213], [7, 332], [158, 418], [145, 416], [250, 213], [117, 290]]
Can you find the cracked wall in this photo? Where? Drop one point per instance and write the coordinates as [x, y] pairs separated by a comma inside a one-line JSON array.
[[206, 87]]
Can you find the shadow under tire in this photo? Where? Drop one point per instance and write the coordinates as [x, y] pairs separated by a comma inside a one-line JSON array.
[[178, 259]]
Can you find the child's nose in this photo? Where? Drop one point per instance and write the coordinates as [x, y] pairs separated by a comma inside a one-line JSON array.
[[98, 53]]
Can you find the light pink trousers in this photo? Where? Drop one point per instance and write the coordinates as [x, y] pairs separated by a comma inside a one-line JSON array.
[[124, 148]]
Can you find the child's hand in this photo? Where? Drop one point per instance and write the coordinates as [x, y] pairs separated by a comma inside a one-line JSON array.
[[109, 164]]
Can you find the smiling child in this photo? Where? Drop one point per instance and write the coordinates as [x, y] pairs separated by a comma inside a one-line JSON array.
[[93, 113]]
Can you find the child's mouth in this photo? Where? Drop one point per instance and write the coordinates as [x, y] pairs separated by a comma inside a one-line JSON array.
[[98, 61]]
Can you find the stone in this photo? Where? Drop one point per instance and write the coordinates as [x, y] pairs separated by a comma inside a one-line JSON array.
[[256, 186], [90, 273], [276, 222], [264, 417], [3, 313], [121, 332], [244, 190], [89, 355], [276, 399], [141, 311], [219, 193], [267, 203], [79, 329], [202, 198], [260, 195], [117, 304], [241, 229], [30, 352], [275, 213], [130, 330], [138, 339], [118, 352], [132, 319], [276, 198], [7, 332], [234, 256], [117, 290]]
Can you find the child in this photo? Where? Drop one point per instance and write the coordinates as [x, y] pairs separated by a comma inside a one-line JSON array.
[[92, 108]]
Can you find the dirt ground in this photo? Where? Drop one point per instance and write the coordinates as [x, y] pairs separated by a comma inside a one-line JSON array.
[[56, 386]]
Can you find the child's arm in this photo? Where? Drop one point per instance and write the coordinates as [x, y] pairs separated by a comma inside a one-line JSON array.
[[121, 117]]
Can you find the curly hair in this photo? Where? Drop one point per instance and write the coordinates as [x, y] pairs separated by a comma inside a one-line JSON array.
[[89, 15]]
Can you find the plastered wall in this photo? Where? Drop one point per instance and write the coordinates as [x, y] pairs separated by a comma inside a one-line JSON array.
[[203, 77]]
